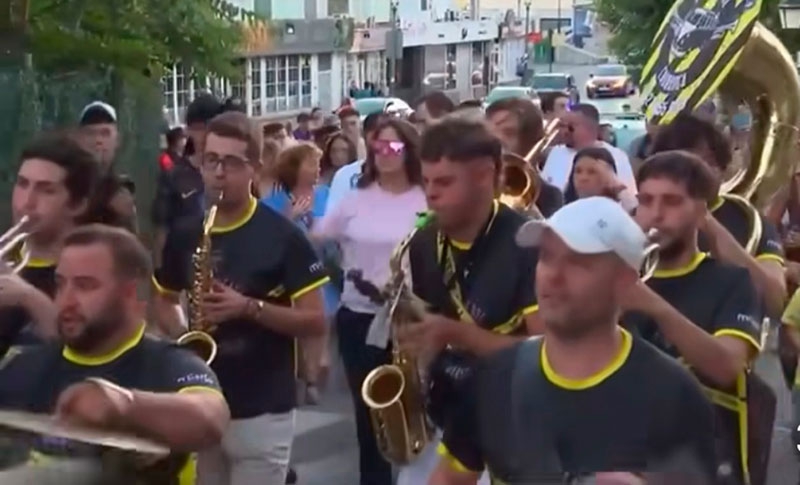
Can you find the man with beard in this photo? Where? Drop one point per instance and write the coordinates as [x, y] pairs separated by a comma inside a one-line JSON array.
[[518, 124], [465, 264], [108, 373], [582, 124], [587, 396], [54, 182], [695, 307]]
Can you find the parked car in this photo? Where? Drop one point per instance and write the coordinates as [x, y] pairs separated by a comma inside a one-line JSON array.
[[556, 82], [610, 80], [505, 92], [395, 106]]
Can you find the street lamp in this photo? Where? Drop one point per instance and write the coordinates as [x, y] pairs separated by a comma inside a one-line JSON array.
[[527, 24], [790, 14]]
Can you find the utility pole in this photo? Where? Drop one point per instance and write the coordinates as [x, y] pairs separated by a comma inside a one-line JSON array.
[[394, 48], [558, 27], [527, 24]]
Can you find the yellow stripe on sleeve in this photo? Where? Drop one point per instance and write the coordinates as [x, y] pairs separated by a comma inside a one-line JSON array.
[[771, 257], [161, 289], [313, 286], [732, 332], [452, 461], [530, 309], [201, 389]]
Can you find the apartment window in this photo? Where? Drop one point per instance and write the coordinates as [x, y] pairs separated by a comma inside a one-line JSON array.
[[287, 83], [183, 78], [552, 24], [166, 89], [238, 88], [338, 7], [255, 80], [478, 53], [450, 67]]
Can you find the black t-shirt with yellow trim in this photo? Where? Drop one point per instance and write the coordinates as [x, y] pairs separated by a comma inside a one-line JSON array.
[[717, 297], [500, 287], [263, 256], [15, 328], [528, 425], [734, 219], [32, 379]]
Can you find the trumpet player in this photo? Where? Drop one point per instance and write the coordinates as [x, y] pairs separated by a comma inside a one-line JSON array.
[[52, 188], [266, 293], [588, 396], [465, 265], [695, 307], [517, 123], [726, 230]]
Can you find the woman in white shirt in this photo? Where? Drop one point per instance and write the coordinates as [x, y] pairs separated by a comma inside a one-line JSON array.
[[594, 173], [368, 223]]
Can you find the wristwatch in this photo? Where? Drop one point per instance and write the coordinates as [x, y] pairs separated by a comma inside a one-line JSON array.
[[256, 307]]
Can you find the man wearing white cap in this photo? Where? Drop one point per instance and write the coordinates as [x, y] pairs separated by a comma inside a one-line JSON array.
[[587, 397], [98, 122]]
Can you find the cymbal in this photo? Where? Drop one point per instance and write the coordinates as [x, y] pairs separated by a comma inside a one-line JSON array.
[[47, 425]]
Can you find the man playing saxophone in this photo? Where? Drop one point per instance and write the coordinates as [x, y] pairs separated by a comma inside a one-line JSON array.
[[726, 229], [466, 265], [265, 293], [52, 189]]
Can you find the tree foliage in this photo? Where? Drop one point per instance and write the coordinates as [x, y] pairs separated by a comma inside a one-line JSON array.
[[634, 24], [135, 36]]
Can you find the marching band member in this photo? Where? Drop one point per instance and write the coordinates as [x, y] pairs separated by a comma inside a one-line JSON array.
[[695, 307], [562, 403], [726, 232], [266, 293], [54, 183], [368, 223], [465, 265], [518, 124], [108, 373]]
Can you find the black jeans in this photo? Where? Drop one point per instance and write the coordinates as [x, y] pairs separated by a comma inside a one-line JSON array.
[[359, 359]]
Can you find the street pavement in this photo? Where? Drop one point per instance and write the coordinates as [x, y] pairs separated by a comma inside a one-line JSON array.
[[325, 452]]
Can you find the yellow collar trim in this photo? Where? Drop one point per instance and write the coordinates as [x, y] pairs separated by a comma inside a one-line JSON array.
[[716, 204], [35, 262], [76, 358], [465, 245], [593, 380], [251, 209], [683, 271]]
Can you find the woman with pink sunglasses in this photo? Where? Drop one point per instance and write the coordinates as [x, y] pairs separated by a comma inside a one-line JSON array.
[[368, 223]]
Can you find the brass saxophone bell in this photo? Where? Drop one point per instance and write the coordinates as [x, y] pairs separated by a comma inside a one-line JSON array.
[[201, 343]]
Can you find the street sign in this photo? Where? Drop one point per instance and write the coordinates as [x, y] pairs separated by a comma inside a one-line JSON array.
[[394, 44]]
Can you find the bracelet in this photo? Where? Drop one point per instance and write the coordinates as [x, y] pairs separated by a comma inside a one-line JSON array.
[[108, 385]]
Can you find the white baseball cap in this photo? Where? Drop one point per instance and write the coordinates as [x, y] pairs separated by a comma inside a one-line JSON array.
[[594, 225], [99, 106]]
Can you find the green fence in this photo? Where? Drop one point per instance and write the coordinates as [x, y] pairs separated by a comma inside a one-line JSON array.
[[31, 102]]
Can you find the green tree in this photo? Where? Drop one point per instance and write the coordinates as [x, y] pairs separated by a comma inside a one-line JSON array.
[[634, 24], [135, 37]]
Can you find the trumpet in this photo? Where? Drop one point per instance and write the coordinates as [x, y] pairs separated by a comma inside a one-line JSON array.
[[10, 241], [650, 256]]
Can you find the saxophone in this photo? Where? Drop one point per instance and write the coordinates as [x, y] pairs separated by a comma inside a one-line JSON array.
[[393, 392], [198, 339]]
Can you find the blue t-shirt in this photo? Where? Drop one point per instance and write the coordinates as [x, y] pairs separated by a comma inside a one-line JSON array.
[[280, 201]]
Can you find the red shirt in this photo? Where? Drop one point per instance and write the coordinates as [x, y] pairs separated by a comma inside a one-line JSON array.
[[165, 162]]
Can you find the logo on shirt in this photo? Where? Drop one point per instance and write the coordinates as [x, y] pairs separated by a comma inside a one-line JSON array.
[[748, 320], [186, 195], [316, 267], [196, 379], [354, 180]]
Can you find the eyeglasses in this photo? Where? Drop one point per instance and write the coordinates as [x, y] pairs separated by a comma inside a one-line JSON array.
[[385, 147], [229, 163]]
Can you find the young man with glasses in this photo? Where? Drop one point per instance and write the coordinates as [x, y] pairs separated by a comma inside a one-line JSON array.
[[266, 293]]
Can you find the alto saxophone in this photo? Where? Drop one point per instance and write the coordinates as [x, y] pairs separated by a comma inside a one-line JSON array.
[[198, 338], [394, 392]]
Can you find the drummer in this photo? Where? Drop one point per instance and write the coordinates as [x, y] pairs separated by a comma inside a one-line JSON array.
[[149, 387]]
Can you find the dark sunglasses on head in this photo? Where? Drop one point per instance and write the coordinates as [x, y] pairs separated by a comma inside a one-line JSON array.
[[385, 147]]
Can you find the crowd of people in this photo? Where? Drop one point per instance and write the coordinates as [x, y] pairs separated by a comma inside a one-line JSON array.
[[627, 380]]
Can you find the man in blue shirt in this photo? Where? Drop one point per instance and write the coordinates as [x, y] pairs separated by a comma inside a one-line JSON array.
[[344, 180]]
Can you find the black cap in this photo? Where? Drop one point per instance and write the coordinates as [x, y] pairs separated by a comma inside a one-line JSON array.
[[203, 109]]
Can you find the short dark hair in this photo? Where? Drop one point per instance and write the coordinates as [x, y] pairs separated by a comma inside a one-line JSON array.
[[59, 148], [681, 167], [461, 141], [409, 136], [437, 103], [174, 135], [469, 104], [549, 101], [203, 109], [303, 117], [688, 132], [588, 111], [131, 259], [236, 125], [531, 127], [372, 121], [270, 129]]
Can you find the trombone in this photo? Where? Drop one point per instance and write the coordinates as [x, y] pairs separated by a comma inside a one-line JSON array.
[[10, 240], [521, 182]]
